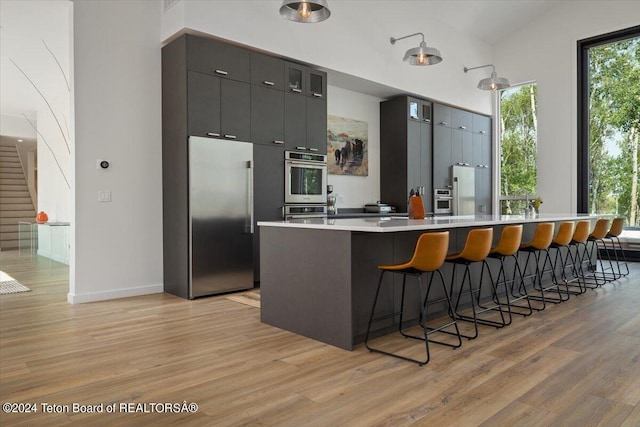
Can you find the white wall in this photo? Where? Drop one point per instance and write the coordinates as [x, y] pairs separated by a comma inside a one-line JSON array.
[[349, 42], [117, 246], [356, 191], [16, 126], [545, 51]]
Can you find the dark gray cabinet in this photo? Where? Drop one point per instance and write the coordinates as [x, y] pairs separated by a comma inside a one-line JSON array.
[[295, 122], [305, 81], [203, 109], [267, 71], [217, 58], [462, 138], [482, 162], [235, 110], [441, 155], [316, 83], [217, 107], [405, 151], [316, 122], [267, 115], [268, 188], [217, 90], [305, 123]]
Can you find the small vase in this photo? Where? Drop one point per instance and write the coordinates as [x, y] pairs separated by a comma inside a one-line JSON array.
[[42, 217]]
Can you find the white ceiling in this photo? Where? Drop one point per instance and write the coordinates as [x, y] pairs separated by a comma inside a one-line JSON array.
[[25, 24]]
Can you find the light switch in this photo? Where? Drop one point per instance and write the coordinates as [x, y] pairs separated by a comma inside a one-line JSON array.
[[104, 196]]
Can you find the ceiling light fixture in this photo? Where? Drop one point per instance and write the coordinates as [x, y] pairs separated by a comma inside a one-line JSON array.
[[492, 83], [308, 11], [421, 55]]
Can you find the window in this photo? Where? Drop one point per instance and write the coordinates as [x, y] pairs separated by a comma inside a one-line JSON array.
[[609, 128], [518, 147]]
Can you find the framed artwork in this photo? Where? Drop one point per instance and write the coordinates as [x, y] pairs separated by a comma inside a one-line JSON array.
[[347, 146]]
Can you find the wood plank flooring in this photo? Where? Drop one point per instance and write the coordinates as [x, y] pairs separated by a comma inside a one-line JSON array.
[[574, 364]]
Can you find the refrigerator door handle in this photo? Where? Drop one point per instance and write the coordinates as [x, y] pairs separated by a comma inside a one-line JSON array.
[[250, 196], [456, 194]]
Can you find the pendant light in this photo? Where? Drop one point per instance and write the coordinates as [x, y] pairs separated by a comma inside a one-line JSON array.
[[491, 83], [308, 11], [421, 55]]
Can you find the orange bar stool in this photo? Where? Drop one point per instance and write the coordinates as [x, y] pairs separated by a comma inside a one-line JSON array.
[[561, 243], [539, 244], [598, 273], [579, 243], [429, 254], [476, 249], [507, 247], [614, 237]]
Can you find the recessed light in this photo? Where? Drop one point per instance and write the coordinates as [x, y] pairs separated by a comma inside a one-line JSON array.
[[19, 140]]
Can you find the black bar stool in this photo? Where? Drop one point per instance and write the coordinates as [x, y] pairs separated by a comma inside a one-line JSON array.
[[540, 243], [476, 249], [616, 246], [597, 272], [428, 257], [507, 247], [560, 243], [579, 243]]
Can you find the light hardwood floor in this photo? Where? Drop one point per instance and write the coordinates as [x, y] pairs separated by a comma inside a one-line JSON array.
[[575, 364]]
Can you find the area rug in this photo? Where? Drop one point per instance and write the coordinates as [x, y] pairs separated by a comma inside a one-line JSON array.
[[251, 298], [9, 285]]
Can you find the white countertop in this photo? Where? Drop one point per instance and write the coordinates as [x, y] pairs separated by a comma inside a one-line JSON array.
[[395, 224]]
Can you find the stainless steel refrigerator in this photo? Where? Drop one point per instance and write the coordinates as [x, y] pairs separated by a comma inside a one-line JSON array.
[[220, 216], [463, 179]]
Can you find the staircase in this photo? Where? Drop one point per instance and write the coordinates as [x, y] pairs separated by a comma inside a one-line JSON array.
[[15, 202]]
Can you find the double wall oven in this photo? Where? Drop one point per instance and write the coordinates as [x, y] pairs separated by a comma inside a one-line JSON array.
[[305, 184]]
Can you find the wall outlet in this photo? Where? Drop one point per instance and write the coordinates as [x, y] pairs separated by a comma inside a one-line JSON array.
[[104, 196]]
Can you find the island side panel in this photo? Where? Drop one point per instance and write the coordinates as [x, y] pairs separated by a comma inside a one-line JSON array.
[[305, 283]]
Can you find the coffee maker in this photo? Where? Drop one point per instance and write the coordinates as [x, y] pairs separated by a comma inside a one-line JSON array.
[[332, 209]]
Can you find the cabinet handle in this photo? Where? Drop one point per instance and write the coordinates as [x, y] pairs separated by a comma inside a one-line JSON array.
[[301, 148], [427, 120], [443, 123], [483, 132], [313, 149], [268, 83], [293, 89], [223, 72], [462, 127], [279, 142], [212, 134], [226, 135], [317, 95]]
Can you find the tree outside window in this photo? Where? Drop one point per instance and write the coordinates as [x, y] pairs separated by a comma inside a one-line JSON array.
[[614, 129], [518, 147]]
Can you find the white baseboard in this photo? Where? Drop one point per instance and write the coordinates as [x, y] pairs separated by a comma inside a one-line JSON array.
[[114, 294]]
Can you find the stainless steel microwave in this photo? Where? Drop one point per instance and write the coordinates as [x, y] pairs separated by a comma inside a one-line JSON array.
[[305, 178]]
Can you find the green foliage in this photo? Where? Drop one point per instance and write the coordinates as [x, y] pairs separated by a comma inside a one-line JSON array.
[[614, 110], [518, 171]]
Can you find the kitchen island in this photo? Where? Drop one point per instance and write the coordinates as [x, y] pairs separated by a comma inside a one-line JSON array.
[[318, 276]]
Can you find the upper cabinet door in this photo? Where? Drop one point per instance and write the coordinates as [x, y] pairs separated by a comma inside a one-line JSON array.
[[316, 83], [295, 78], [217, 58], [267, 71], [203, 104], [461, 119], [441, 115], [317, 125], [235, 110], [481, 124]]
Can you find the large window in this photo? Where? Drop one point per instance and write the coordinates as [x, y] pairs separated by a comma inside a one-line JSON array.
[[518, 147], [609, 127]]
